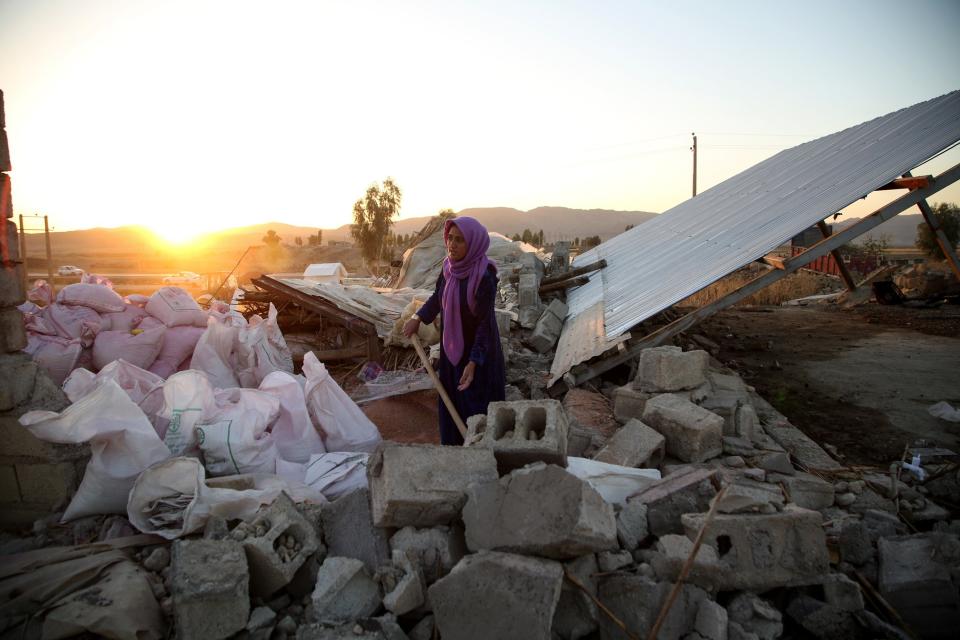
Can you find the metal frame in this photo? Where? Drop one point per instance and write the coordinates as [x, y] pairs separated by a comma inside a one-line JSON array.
[[917, 197]]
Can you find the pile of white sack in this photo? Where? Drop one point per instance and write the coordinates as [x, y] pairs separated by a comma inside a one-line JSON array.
[[89, 325], [190, 413]]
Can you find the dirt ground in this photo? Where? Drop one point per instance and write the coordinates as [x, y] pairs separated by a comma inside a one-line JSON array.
[[860, 380]]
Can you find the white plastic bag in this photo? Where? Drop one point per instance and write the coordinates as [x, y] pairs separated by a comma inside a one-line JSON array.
[[233, 433], [55, 355], [343, 426], [944, 411], [178, 344], [262, 350], [173, 499], [614, 483], [74, 321], [212, 355], [96, 296], [336, 474], [187, 397], [140, 349], [293, 431], [122, 443]]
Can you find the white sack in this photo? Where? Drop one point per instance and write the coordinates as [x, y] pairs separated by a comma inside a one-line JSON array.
[[187, 397], [614, 483], [138, 300], [175, 307], [233, 433], [212, 355], [293, 431], [944, 411], [178, 345], [122, 444], [140, 349], [343, 426], [172, 499], [136, 382], [261, 350], [73, 321], [55, 355], [126, 320], [96, 296]]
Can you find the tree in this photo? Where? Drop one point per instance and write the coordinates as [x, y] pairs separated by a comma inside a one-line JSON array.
[[319, 237], [372, 217], [446, 214], [948, 218], [526, 236], [576, 241], [540, 238], [516, 237], [629, 226], [297, 240], [272, 240]]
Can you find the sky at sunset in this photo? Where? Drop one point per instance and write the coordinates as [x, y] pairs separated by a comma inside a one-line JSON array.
[[189, 116]]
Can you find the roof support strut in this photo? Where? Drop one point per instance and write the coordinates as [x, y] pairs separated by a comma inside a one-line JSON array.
[[580, 374], [938, 234]]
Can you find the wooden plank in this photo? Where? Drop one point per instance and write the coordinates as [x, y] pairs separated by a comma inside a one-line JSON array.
[[908, 182], [939, 235], [573, 273], [564, 284], [771, 260], [582, 373], [847, 278]]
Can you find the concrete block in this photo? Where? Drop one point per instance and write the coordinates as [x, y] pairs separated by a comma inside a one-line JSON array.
[[671, 555], [749, 496], [504, 318], [547, 331], [437, 550], [13, 335], [822, 620], [497, 595], [854, 543], [349, 532], [915, 578], [528, 290], [628, 403], [410, 592], [9, 487], [725, 405], [344, 592], [576, 613], [275, 555], [776, 462], [675, 495], [755, 615], [842, 592], [746, 422], [670, 368], [610, 561], [209, 585], [634, 445], [540, 510], [521, 432], [4, 151], [6, 199], [632, 524], [637, 600], [424, 485], [591, 411], [805, 490], [50, 484], [711, 621], [11, 287], [19, 372], [693, 434], [763, 551]]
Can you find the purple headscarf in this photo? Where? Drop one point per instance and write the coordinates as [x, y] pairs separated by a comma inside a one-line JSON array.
[[472, 267]]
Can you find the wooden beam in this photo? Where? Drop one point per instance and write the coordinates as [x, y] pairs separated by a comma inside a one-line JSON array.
[[773, 261], [580, 374], [564, 284], [572, 273], [908, 182], [942, 240], [847, 278], [317, 305]]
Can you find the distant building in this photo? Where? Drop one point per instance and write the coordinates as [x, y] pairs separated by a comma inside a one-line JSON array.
[[339, 243], [325, 272]]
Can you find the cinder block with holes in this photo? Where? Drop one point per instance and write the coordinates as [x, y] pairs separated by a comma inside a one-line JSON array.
[[282, 541], [521, 432]]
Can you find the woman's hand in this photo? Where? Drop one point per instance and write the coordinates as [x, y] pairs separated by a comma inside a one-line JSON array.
[[411, 326], [467, 378]]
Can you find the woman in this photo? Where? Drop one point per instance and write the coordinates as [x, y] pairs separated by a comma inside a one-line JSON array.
[[471, 360]]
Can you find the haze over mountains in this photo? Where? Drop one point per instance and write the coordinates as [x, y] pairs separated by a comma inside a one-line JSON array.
[[558, 223]]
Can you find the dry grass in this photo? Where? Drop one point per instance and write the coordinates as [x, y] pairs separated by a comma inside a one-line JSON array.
[[797, 285]]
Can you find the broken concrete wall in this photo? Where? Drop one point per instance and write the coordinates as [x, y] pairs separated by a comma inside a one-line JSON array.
[[35, 476]]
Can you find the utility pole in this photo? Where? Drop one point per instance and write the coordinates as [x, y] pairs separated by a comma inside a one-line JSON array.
[[694, 149], [46, 235]]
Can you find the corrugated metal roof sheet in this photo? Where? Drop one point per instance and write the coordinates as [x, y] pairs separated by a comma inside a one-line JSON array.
[[686, 248]]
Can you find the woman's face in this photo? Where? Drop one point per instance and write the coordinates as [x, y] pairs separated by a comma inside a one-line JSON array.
[[456, 244]]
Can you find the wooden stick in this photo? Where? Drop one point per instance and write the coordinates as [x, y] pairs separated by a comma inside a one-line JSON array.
[[415, 339], [600, 605], [686, 566], [873, 593]]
